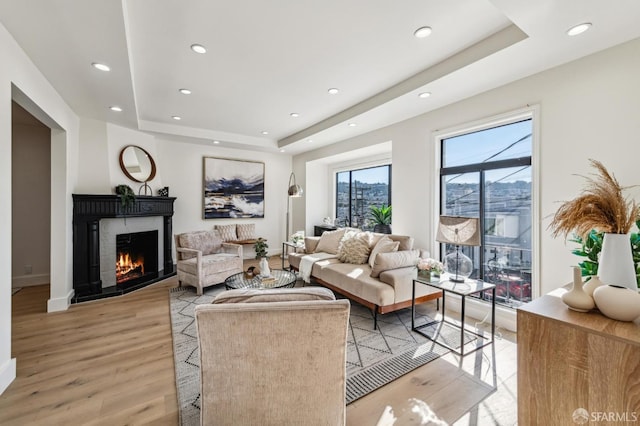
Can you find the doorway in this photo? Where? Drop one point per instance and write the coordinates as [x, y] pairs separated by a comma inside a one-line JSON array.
[[30, 201]]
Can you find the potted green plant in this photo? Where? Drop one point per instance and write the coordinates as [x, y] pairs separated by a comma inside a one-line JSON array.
[[261, 247], [381, 218], [127, 196]]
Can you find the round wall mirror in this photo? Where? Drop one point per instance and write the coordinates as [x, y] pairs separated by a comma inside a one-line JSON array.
[[137, 164]]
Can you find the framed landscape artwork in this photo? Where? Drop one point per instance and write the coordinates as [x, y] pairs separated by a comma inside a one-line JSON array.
[[232, 188]]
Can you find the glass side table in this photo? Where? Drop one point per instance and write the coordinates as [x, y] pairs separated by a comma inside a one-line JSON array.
[[287, 246], [463, 290]]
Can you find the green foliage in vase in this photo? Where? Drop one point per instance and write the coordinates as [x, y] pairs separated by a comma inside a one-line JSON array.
[[261, 247], [591, 247]]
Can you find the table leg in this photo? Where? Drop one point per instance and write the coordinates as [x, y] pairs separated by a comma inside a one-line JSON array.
[[463, 301], [413, 305]]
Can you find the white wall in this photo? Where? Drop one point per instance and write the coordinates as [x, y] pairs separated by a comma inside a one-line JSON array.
[[31, 201], [589, 108], [21, 80], [180, 167]]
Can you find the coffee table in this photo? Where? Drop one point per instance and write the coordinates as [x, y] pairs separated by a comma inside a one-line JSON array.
[[279, 279]]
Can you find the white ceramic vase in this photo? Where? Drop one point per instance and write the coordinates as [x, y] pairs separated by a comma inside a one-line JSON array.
[[576, 298], [618, 303], [264, 267], [593, 283], [615, 265]]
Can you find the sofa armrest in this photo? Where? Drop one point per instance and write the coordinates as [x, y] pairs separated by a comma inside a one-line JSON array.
[[310, 244], [232, 248]]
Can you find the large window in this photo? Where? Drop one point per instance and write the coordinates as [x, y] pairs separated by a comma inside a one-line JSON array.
[[357, 190], [487, 174]]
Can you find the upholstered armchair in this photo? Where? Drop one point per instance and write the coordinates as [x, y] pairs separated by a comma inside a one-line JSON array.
[[273, 357], [204, 260]]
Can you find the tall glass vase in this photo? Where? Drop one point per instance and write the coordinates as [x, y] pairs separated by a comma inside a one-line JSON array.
[[615, 266]]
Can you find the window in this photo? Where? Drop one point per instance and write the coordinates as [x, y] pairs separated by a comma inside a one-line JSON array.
[[487, 174], [357, 190]]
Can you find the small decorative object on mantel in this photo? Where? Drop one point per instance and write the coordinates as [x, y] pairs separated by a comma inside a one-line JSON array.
[[163, 192], [602, 207], [428, 268], [576, 298]]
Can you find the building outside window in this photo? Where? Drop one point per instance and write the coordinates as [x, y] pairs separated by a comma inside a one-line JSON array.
[[487, 174], [357, 190]]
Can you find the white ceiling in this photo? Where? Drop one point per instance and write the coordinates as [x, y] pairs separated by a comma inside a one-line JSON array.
[[267, 59]]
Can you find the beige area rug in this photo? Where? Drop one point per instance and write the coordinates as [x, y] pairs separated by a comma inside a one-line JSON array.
[[374, 357]]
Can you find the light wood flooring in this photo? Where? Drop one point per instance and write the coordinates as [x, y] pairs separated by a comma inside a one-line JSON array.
[[110, 362]]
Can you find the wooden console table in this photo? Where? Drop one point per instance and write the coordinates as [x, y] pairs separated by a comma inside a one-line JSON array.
[[569, 360]]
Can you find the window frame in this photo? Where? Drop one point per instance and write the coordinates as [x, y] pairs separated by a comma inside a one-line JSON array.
[[350, 170], [529, 112]]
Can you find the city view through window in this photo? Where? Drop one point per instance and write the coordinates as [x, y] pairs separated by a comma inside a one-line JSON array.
[[487, 174], [357, 191]]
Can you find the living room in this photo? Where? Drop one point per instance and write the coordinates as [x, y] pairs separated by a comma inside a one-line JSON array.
[[582, 107]]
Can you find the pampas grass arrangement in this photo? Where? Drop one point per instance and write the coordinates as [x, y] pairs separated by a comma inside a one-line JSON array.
[[602, 207]]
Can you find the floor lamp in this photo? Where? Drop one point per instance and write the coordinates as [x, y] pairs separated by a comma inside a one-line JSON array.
[[460, 231], [295, 191]]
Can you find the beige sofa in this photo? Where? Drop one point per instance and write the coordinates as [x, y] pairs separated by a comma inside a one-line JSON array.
[[383, 282]]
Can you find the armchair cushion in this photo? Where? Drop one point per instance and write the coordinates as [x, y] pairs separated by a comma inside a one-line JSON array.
[[212, 264], [207, 242]]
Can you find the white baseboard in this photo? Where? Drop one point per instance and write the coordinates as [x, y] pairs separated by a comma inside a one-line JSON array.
[[30, 280], [7, 374], [60, 303]]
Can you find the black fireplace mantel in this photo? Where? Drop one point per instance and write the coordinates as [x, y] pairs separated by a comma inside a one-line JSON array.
[[88, 210]]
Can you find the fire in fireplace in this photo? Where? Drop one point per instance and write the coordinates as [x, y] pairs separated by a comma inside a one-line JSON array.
[[136, 257]]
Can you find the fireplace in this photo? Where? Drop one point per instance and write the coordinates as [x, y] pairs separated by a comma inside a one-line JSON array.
[[136, 258], [97, 221]]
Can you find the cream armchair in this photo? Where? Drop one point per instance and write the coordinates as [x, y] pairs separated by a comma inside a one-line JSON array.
[[273, 357], [202, 259]]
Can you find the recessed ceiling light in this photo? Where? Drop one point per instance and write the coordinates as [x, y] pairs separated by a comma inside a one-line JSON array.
[[424, 95], [352, 124], [101, 67], [579, 29], [294, 115], [423, 32], [115, 108], [333, 91], [282, 150], [176, 117], [310, 140], [198, 48], [185, 91], [264, 132], [216, 142]]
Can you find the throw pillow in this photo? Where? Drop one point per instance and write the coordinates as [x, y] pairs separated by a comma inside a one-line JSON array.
[[354, 249], [394, 260], [384, 245], [227, 232], [246, 231], [329, 241]]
